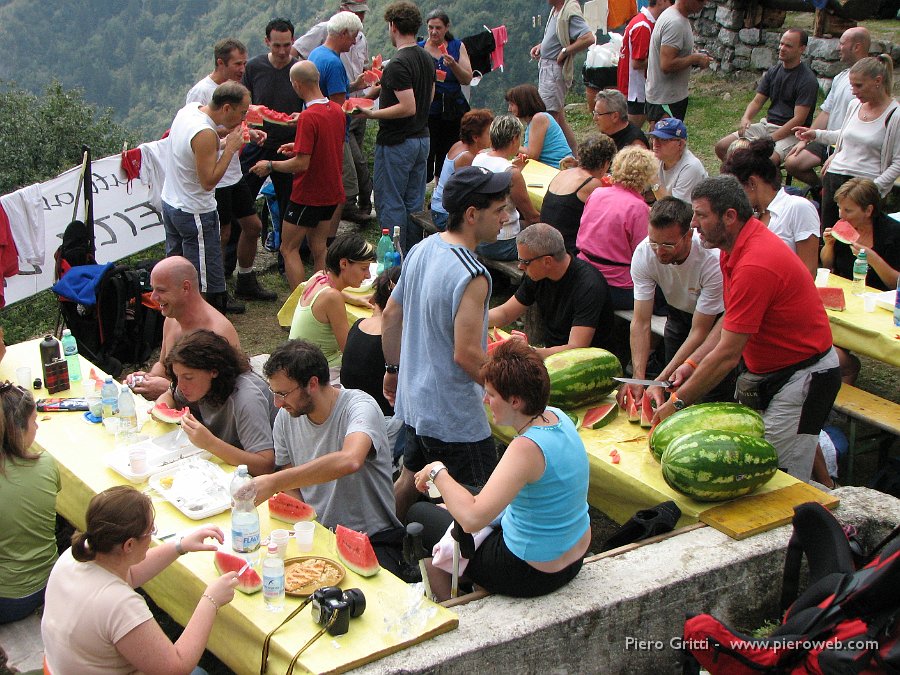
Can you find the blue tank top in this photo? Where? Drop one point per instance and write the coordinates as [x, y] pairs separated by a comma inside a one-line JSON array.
[[555, 145], [549, 516], [437, 197], [450, 86]]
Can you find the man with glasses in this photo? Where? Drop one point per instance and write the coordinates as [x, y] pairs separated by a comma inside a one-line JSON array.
[[611, 118], [674, 261], [331, 445], [571, 294], [679, 169]]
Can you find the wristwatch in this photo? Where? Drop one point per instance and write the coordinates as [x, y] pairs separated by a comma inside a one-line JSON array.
[[676, 402], [565, 51], [391, 368], [438, 467]]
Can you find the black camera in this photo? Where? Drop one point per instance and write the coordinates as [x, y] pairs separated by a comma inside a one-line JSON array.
[[331, 601]]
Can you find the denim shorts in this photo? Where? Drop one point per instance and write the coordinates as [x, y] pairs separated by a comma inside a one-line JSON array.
[[468, 463]]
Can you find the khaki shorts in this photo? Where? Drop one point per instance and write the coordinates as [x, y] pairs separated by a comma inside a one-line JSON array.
[[551, 85], [763, 129], [348, 176]]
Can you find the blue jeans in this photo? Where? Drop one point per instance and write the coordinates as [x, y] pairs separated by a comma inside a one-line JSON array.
[[400, 186], [502, 249], [196, 237], [16, 609], [468, 463], [440, 220]]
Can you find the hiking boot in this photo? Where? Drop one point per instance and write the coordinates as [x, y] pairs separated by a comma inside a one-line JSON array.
[[355, 215], [232, 306], [247, 288]]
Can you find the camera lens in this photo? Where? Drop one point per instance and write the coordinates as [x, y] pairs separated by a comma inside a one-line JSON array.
[[356, 601]]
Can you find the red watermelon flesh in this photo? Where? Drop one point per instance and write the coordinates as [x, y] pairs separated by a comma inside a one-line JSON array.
[[257, 114], [634, 414], [245, 131], [844, 232], [377, 61], [596, 418], [289, 509], [372, 75], [249, 582], [832, 298], [356, 552], [647, 411], [354, 102], [494, 340], [164, 413], [443, 49]]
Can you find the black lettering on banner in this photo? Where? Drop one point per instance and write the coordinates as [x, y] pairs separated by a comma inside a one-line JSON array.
[[129, 221], [149, 209], [95, 178], [60, 199], [112, 235]]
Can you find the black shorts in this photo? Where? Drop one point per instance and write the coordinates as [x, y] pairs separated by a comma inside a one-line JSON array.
[[820, 150], [637, 108], [657, 111], [307, 216], [234, 202], [468, 463]]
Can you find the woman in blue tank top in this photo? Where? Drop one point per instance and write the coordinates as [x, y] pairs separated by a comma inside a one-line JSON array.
[[537, 494], [544, 138]]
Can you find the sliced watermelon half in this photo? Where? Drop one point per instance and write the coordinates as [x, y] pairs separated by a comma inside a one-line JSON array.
[[596, 418], [844, 232], [832, 298], [354, 102], [249, 582], [289, 509], [355, 551], [164, 413]]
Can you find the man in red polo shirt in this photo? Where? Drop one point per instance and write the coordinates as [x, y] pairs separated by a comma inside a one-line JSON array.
[[774, 321], [632, 70]]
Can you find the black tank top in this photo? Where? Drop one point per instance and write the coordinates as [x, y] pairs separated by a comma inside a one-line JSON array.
[[564, 213], [362, 366]]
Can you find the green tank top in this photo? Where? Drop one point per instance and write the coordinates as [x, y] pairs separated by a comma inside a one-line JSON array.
[[305, 325]]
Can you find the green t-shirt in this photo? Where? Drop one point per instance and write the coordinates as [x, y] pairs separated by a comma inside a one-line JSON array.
[[27, 540]]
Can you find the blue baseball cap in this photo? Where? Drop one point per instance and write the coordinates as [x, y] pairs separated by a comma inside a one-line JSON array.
[[669, 128]]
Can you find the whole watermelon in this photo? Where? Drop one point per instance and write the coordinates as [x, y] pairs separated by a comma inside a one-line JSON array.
[[581, 377], [722, 416], [713, 465]]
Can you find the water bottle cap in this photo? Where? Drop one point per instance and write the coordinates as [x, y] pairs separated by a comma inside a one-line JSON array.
[[273, 548], [242, 468], [66, 332], [385, 230], [109, 379]]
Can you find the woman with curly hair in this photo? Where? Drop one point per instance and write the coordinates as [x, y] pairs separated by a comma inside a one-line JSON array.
[[29, 483], [569, 189], [615, 221], [95, 621], [232, 406], [544, 139]]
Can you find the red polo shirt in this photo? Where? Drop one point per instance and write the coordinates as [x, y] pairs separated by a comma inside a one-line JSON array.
[[770, 295]]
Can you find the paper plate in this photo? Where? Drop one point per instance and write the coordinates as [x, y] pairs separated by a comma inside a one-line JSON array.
[[332, 575]]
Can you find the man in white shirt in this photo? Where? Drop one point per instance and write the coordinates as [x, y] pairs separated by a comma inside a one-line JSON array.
[[679, 170], [632, 70], [804, 157], [672, 259]]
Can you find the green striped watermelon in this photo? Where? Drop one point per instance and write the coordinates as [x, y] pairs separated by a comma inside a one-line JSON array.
[[722, 416], [712, 465], [581, 377]]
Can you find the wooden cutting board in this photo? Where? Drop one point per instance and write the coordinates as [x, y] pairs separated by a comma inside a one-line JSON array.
[[753, 514]]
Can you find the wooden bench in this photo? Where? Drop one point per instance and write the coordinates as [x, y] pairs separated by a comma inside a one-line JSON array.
[[861, 406]]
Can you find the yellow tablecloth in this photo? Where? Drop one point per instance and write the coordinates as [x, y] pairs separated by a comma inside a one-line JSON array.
[[869, 333], [81, 448], [636, 482], [537, 179]]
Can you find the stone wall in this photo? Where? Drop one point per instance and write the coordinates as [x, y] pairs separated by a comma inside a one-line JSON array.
[[722, 31]]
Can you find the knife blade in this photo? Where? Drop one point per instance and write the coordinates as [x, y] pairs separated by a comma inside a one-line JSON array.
[[646, 383]]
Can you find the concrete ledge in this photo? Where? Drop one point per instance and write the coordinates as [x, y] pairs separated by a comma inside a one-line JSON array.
[[594, 623]]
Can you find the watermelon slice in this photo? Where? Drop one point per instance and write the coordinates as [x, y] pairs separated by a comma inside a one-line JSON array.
[[164, 413], [249, 582], [631, 408], [443, 49], [598, 417], [356, 552], [647, 411], [289, 509], [257, 114], [377, 61], [832, 298], [440, 75], [353, 103], [372, 76], [494, 340], [844, 232], [245, 131]]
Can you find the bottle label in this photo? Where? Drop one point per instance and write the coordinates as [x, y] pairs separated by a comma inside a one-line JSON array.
[[273, 587], [244, 540]]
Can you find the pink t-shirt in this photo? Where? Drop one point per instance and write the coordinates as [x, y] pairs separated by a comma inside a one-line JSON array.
[[613, 223]]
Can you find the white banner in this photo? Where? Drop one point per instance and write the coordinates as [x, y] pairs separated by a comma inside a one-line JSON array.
[[125, 222]]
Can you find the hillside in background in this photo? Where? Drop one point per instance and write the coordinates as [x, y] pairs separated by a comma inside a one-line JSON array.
[[139, 57]]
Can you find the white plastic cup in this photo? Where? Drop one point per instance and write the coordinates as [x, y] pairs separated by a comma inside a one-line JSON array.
[[137, 460], [303, 533], [822, 274], [280, 538], [23, 377], [95, 404], [869, 301]]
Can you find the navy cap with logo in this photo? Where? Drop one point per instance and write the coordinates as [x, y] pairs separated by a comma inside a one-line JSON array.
[[669, 128], [473, 180]]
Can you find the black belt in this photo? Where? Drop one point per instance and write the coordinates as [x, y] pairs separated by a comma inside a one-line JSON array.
[[603, 261]]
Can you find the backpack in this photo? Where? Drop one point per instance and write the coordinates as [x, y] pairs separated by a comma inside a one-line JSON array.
[[846, 621]]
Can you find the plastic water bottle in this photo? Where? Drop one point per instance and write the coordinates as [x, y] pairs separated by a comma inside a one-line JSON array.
[[244, 518], [273, 580], [109, 399], [127, 412], [385, 246], [70, 349], [397, 248], [897, 304], [860, 270]]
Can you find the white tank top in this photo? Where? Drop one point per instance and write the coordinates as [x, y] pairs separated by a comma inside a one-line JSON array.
[[498, 165], [182, 187]]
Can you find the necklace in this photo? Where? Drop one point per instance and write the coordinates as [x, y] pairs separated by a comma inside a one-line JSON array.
[[528, 423]]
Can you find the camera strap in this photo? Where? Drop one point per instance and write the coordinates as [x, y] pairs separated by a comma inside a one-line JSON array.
[[265, 650], [328, 624]]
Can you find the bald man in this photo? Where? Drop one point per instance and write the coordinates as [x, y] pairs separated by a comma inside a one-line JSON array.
[[315, 195], [176, 289]]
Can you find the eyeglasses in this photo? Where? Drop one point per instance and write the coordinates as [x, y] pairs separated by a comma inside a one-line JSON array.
[[284, 394], [525, 262], [669, 247], [151, 533], [595, 114]]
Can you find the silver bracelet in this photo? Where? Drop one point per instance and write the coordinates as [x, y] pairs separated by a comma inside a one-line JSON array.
[[210, 598], [179, 550]]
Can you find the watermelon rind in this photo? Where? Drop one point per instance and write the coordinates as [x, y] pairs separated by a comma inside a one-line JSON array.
[[719, 416], [249, 582], [712, 465], [355, 551], [164, 413], [581, 377], [599, 417], [289, 509]]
